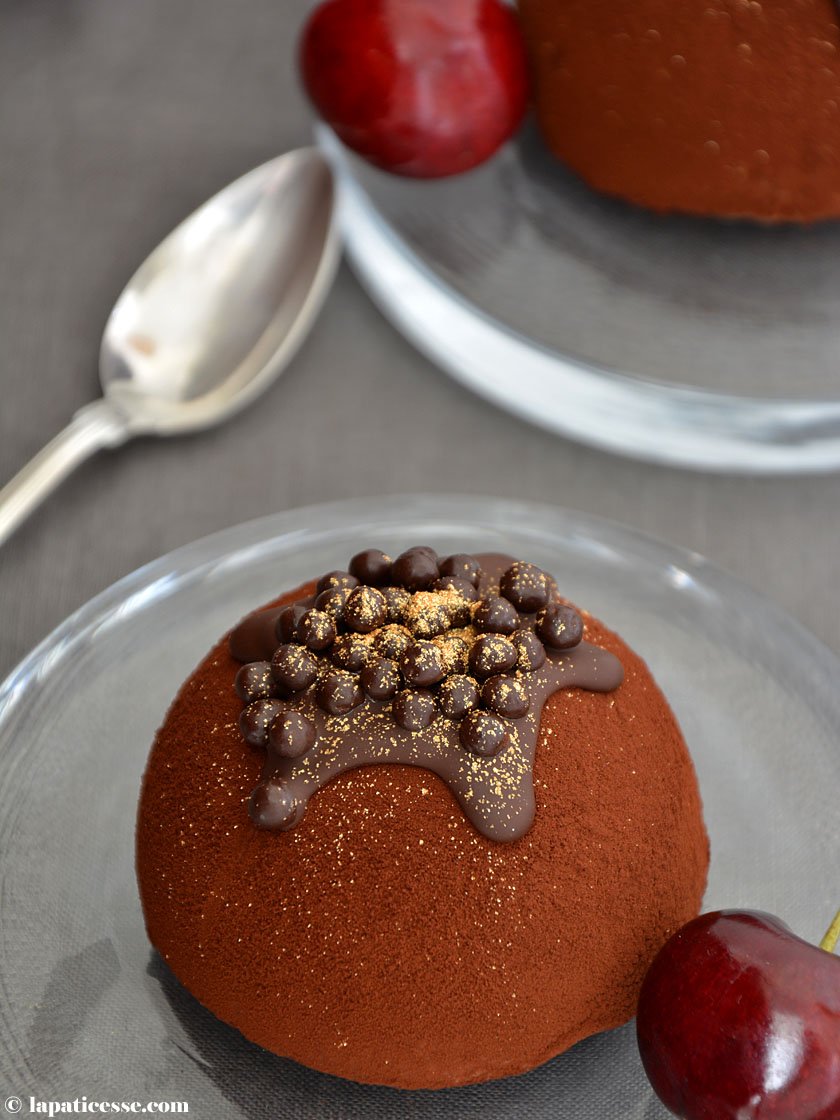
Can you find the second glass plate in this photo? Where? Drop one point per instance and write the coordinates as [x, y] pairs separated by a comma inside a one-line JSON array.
[[685, 341], [88, 1008]]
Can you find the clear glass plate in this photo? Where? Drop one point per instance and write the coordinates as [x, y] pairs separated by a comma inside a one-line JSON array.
[[694, 342], [87, 1007]]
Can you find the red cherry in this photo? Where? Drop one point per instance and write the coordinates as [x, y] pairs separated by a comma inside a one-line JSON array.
[[424, 88], [739, 1019]]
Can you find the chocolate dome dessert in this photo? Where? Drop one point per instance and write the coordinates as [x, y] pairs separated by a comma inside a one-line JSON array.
[[718, 107], [421, 824]]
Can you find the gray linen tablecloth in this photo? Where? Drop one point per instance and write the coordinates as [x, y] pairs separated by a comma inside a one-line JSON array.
[[118, 117]]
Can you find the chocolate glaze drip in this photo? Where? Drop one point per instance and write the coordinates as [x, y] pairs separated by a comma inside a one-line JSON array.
[[254, 639], [496, 793]]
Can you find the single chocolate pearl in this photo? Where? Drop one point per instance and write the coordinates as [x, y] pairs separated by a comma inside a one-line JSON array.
[[491, 654], [456, 583], [336, 579], [457, 696], [459, 604], [255, 720], [255, 682], [526, 586], [350, 652], [291, 735], [391, 641], [316, 629], [286, 627], [414, 708], [463, 566], [332, 601], [415, 569], [530, 649], [422, 664], [454, 652], [460, 612], [506, 697], [559, 626], [339, 693], [294, 667], [273, 806], [371, 567], [365, 609], [495, 615], [427, 615], [380, 678], [397, 600], [483, 734]]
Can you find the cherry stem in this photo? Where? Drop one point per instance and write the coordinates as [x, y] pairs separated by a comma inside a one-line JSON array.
[[829, 942]]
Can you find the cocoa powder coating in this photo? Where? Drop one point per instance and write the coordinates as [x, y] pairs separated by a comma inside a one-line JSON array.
[[384, 939], [720, 107]]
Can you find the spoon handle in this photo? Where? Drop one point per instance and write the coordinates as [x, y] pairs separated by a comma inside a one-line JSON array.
[[94, 426]]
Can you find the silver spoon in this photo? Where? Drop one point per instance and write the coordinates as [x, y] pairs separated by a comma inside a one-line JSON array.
[[207, 321]]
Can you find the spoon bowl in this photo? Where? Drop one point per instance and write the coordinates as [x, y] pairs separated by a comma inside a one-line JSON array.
[[207, 322], [216, 311]]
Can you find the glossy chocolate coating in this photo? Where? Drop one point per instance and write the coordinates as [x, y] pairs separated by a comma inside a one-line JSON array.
[[466, 589], [392, 641], [291, 735], [350, 652], [274, 805], [455, 652], [457, 696], [339, 693], [495, 790], [463, 567], [332, 600], [526, 586], [491, 654], [397, 600], [257, 718], [365, 610], [288, 623], [430, 613], [414, 708], [294, 668], [495, 615], [371, 567], [506, 696], [337, 579], [530, 650], [316, 629], [415, 569], [559, 626], [380, 678], [255, 682], [422, 664], [484, 734]]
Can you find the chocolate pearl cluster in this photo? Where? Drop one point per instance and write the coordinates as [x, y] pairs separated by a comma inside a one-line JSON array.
[[418, 634]]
